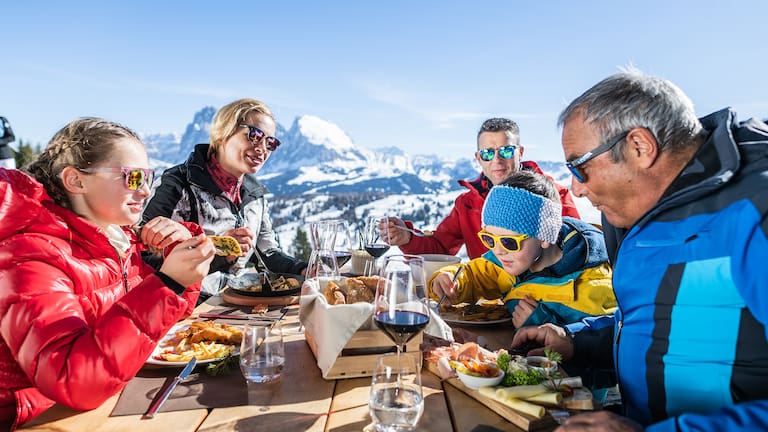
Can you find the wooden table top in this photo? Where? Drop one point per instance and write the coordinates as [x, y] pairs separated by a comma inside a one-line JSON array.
[[300, 400]]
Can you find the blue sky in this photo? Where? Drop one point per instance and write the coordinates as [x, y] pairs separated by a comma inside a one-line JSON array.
[[419, 75]]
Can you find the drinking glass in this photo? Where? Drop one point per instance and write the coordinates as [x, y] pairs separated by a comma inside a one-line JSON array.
[[400, 306], [262, 352], [396, 402], [376, 237], [322, 263], [344, 243]]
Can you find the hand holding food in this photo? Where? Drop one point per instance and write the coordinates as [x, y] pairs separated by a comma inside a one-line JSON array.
[[162, 232], [189, 261], [244, 237], [546, 336]]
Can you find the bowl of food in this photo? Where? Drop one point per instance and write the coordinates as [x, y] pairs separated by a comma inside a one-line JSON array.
[[434, 262], [475, 374]]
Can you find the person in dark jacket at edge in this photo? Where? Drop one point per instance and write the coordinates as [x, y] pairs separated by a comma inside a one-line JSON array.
[[499, 154], [216, 188], [685, 212]]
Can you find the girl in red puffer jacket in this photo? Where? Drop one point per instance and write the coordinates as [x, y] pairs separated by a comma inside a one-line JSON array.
[[79, 310]]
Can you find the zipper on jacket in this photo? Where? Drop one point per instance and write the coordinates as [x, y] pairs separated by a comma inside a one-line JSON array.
[[619, 326], [122, 270]]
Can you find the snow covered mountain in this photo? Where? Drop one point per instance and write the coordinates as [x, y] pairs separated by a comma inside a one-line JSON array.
[[319, 172]]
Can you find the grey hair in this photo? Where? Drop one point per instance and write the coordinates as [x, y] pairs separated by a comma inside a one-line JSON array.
[[632, 99], [500, 124]]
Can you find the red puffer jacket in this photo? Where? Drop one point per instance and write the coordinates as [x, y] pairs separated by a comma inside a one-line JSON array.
[[77, 321], [465, 220]]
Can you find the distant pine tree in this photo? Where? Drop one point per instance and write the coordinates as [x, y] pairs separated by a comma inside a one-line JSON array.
[[26, 154], [301, 247]]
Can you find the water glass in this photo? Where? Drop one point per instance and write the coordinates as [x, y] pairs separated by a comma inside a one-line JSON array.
[[396, 402], [262, 352]]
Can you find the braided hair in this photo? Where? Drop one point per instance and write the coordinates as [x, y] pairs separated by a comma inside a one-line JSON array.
[[81, 143]]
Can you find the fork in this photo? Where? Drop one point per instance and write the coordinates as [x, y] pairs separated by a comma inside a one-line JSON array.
[[425, 233]]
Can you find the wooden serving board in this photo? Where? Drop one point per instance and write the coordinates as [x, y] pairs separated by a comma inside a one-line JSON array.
[[580, 400], [230, 296]]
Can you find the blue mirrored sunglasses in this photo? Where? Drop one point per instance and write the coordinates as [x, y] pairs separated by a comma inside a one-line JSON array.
[[255, 135], [505, 152]]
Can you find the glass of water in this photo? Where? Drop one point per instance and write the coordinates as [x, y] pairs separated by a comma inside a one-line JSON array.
[[396, 402], [262, 352]]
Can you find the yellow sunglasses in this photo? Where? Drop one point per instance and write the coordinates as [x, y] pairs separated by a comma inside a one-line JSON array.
[[511, 243]]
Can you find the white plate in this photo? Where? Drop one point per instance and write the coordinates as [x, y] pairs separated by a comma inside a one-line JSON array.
[[161, 346]]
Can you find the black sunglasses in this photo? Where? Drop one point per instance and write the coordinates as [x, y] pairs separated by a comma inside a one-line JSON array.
[[255, 135], [573, 165]]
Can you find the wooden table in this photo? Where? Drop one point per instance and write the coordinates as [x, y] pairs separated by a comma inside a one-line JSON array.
[[300, 400]]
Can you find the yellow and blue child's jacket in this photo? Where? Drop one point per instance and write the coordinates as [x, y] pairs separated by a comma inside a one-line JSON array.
[[577, 286]]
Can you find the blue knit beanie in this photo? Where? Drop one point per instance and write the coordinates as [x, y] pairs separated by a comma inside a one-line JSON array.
[[524, 212]]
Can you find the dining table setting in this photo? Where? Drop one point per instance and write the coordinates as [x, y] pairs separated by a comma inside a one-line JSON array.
[[290, 365]]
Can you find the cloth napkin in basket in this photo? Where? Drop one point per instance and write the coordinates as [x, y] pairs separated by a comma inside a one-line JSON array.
[[332, 326]]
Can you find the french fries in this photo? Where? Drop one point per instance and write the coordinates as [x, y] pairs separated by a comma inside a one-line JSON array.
[[204, 340], [202, 350]]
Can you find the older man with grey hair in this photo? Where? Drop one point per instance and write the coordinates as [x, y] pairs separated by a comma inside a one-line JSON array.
[[685, 212]]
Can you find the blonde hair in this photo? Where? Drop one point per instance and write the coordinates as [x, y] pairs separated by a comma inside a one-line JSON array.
[[81, 143], [228, 119]]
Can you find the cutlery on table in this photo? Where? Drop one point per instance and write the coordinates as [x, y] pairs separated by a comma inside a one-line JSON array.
[[165, 391], [444, 296], [424, 233]]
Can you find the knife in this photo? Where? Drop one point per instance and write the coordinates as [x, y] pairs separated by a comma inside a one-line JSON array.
[[165, 391]]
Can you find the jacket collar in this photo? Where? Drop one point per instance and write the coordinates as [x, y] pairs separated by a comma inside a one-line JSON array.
[[198, 174]]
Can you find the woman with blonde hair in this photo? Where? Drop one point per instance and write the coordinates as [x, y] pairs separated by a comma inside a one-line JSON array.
[[216, 188], [80, 312]]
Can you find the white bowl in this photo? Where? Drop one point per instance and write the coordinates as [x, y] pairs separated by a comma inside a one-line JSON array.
[[434, 262], [475, 382]]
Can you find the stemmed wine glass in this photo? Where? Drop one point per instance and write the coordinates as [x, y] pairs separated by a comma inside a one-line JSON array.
[[400, 307], [376, 235], [344, 243]]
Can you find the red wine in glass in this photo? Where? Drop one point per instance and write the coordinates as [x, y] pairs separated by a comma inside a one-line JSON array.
[[402, 325], [342, 257], [377, 250]]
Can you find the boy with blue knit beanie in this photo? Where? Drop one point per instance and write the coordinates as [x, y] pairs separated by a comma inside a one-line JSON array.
[[545, 267]]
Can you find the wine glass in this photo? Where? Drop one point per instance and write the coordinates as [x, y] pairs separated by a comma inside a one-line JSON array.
[[344, 243], [400, 307], [376, 236], [396, 402]]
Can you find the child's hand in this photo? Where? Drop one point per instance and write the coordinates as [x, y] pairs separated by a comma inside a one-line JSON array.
[[189, 261], [162, 232], [443, 284], [523, 310]]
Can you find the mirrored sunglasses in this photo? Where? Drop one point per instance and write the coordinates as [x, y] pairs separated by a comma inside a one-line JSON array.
[[511, 243], [505, 152], [255, 135], [134, 178]]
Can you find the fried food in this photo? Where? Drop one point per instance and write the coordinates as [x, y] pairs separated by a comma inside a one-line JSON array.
[[226, 246], [202, 339], [489, 311]]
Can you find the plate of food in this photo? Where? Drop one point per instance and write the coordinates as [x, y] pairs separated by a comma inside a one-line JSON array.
[[259, 284], [206, 340], [481, 313]]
